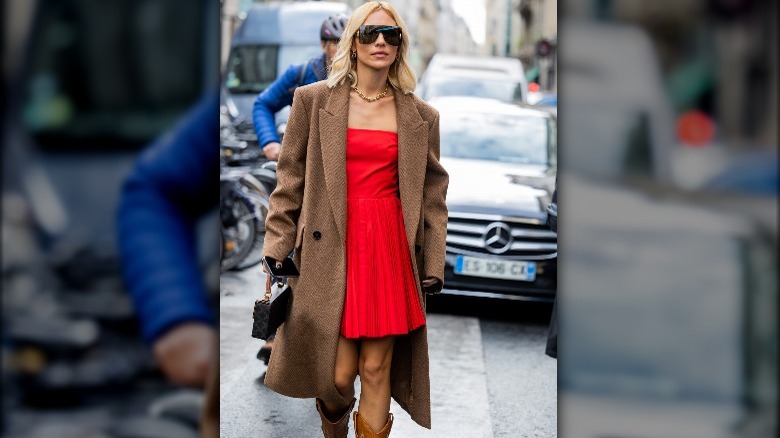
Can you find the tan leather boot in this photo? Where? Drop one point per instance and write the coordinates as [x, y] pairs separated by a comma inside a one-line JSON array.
[[339, 429], [363, 430]]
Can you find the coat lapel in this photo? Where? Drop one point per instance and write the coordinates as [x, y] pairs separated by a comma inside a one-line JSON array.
[[412, 156], [333, 138], [412, 159]]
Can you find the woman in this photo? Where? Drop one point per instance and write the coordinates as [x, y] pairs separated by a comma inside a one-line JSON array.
[[361, 198]]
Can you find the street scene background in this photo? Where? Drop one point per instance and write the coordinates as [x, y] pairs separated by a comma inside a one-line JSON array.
[[490, 376]]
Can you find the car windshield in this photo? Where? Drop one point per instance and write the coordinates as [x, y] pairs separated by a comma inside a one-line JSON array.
[[252, 68], [80, 90], [506, 91], [495, 137]]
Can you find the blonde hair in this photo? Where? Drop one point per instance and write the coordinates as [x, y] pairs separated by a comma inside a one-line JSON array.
[[401, 75]]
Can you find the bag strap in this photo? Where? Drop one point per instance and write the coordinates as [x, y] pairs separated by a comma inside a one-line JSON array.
[[267, 296], [279, 283]]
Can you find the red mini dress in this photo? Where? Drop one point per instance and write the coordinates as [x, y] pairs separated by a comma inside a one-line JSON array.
[[381, 295]]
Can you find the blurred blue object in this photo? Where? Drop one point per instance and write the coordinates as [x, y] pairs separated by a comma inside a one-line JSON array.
[[173, 183], [550, 99], [752, 173]]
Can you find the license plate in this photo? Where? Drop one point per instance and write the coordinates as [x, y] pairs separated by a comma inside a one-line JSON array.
[[490, 268]]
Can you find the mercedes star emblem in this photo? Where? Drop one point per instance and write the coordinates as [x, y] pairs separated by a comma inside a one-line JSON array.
[[498, 238]]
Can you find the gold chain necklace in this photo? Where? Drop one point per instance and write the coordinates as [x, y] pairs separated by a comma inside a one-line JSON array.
[[371, 99]]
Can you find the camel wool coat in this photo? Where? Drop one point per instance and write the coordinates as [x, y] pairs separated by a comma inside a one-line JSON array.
[[308, 214]]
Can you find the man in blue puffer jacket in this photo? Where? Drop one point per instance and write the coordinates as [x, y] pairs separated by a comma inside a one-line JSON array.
[[173, 184], [280, 93]]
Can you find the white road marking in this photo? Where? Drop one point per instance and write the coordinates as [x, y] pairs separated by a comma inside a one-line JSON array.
[[459, 395]]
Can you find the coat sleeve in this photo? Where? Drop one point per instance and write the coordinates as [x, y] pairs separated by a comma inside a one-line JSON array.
[[435, 210], [287, 198], [270, 102], [170, 188]]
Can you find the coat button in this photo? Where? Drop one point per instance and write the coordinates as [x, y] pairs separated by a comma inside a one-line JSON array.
[[317, 235], [417, 248]]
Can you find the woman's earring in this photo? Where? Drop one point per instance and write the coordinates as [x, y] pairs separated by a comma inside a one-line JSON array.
[[354, 54]]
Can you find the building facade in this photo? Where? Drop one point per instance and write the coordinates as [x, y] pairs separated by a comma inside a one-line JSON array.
[[515, 26]]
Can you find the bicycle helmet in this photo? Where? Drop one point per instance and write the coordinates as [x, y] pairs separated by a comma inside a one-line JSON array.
[[333, 27]]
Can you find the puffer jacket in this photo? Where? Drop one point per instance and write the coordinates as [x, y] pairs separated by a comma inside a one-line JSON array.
[[280, 94], [172, 185]]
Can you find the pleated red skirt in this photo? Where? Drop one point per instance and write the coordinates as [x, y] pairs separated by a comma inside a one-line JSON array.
[[381, 296]]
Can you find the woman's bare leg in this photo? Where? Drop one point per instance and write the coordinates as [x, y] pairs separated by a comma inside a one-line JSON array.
[[374, 364], [346, 372]]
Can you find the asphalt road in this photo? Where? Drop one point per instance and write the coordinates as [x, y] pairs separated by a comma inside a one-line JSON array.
[[489, 374]]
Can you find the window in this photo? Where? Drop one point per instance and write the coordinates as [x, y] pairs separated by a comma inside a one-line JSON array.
[[495, 137], [251, 68], [112, 75]]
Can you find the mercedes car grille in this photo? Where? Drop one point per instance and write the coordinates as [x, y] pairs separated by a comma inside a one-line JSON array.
[[506, 237]]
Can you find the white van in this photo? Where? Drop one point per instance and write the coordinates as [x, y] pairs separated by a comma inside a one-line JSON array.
[[478, 76]]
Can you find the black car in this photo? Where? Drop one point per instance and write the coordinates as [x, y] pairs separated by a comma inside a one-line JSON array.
[[501, 159]]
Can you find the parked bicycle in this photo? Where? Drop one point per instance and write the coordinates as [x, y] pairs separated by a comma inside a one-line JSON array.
[[247, 179]]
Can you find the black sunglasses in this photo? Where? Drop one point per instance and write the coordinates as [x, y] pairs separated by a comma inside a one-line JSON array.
[[367, 34]]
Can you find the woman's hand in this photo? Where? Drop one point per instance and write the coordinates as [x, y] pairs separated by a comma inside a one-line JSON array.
[[186, 352], [272, 150]]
